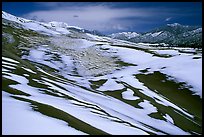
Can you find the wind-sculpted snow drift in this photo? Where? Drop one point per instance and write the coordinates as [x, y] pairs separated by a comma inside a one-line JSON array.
[[71, 82]]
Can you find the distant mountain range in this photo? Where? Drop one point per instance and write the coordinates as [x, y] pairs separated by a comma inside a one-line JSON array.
[[171, 34]]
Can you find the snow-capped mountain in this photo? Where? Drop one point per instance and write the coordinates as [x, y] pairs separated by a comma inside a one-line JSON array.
[[127, 35], [58, 24], [50, 28], [173, 34], [174, 24]]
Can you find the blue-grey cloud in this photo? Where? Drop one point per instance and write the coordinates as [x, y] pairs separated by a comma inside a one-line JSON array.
[[101, 16]]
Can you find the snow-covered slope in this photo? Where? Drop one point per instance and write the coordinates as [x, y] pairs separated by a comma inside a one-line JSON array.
[[80, 83], [14, 18], [51, 28]]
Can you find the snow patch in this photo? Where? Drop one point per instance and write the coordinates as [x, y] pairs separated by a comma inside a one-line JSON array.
[[128, 94], [17, 123], [111, 85]]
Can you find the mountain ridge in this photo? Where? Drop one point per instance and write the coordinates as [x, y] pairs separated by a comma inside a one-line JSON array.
[[172, 34], [50, 28]]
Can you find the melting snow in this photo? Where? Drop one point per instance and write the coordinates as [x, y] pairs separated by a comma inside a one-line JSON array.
[[111, 85], [10, 60], [128, 94], [94, 108], [17, 123], [191, 74]]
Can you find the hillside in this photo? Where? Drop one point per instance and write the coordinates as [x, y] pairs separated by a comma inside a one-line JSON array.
[[63, 80]]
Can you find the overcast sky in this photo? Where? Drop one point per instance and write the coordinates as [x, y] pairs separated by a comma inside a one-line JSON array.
[[110, 17]]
